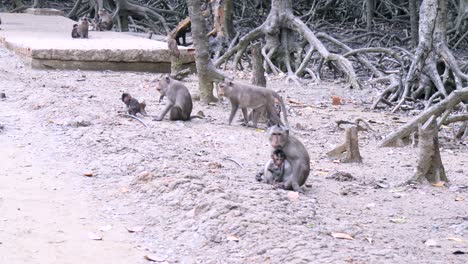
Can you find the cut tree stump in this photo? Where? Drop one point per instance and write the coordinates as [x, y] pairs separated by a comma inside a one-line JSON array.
[[351, 147], [430, 165]]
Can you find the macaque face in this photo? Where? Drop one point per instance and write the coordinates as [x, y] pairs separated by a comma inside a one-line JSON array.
[[278, 136], [277, 160]]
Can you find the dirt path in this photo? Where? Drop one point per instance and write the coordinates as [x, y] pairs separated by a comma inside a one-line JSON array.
[[44, 215], [199, 206]]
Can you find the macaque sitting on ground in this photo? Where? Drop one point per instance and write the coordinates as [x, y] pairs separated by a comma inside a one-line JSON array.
[[133, 106], [296, 154], [179, 100], [277, 168]]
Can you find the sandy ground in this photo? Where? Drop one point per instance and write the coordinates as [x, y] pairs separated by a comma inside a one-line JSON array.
[[195, 203]]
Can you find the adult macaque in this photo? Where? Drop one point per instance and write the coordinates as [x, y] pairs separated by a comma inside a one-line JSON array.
[[133, 106], [74, 33], [179, 100], [246, 96], [277, 168], [82, 27], [173, 48], [181, 30], [105, 20], [296, 154]]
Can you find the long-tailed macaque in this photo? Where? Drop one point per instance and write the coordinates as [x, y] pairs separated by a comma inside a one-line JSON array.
[[277, 168], [179, 99], [74, 33], [296, 154], [105, 20], [246, 96], [133, 106], [82, 27]]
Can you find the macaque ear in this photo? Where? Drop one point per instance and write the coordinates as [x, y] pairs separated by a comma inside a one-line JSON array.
[[231, 83]]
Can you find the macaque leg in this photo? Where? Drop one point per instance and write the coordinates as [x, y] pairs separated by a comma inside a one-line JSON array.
[[273, 116], [255, 115], [233, 112], [246, 116], [175, 114], [168, 107]]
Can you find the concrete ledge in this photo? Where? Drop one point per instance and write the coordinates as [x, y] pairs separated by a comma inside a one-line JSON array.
[[46, 43], [44, 11]]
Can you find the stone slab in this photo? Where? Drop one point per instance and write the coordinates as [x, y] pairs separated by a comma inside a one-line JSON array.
[[44, 11], [45, 42]]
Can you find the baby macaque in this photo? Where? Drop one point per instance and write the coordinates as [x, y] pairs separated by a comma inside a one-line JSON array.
[[74, 33], [277, 168], [133, 106]]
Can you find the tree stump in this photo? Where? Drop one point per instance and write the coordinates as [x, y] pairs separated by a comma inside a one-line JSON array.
[[351, 147], [430, 165]]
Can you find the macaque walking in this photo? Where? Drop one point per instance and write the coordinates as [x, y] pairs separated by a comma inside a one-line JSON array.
[[250, 96], [296, 154], [179, 100]]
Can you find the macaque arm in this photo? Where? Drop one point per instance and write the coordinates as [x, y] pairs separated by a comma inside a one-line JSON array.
[[168, 107]]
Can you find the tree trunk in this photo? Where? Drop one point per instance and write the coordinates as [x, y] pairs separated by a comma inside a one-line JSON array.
[[228, 19], [258, 72], [370, 14], [430, 165], [413, 10], [206, 71]]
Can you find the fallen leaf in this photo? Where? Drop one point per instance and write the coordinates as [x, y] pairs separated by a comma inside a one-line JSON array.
[[154, 258], [311, 225], [439, 184], [320, 173], [94, 236], [89, 174], [456, 239], [336, 100], [260, 130], [459, 198], [105, 228], [293, 196], [134, 229], [430, 243], [232, 238], [342, 236], [398, 220]]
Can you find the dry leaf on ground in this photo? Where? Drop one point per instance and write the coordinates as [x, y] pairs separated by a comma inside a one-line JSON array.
[[134, 229], [439, 184], [342, 236], [94, 236], [456, 239], [154, 258], [105, 228], [232, 238]]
